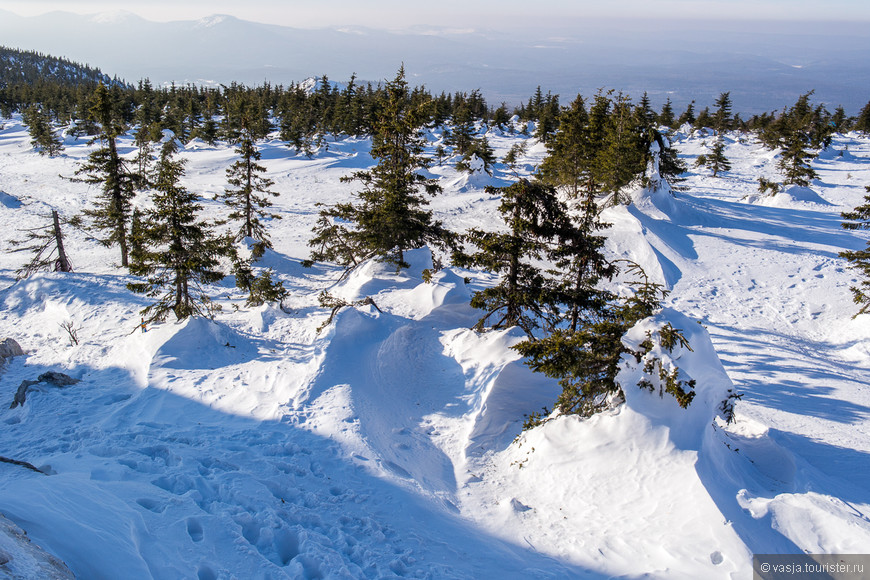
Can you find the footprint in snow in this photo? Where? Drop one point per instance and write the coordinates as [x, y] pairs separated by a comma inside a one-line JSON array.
[[194, 529], [151, 505]]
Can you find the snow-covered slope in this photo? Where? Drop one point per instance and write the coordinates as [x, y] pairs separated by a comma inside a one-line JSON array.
[[254, 447]]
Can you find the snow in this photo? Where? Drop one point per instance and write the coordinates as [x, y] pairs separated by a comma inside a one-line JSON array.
[[389, 444]]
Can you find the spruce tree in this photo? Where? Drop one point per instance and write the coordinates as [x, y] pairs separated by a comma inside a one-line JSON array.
[[716, 160], [536, 221], [512, 157], [666, 116], [248, 194], [722, 120], [388, 218], [106, 168], [797, 132], [46, 245], [862, 123], [137, 239], [581, 264], [463, 134], [839, 120], [704, 119], [859, 219], [646, 117], [297, 120], [671, 167], [548, 118], [571, 153], [145, 138], [181, 254], [42, 135], [501, 118], [795, 155], [622, 159], [688, 115], [587, 360], [480, 149]]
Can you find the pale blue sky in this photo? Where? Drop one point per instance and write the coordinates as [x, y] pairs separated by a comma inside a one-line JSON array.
[[458, 13]]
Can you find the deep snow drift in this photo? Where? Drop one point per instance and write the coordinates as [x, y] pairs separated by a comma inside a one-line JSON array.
[[384, 446]]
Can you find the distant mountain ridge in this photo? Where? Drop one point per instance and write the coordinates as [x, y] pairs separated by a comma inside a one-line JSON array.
[[765, 66], [30, 67]]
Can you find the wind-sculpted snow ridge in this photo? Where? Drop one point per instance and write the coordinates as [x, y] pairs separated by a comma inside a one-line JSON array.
[[210, 469], [253, 446], [426, 391]]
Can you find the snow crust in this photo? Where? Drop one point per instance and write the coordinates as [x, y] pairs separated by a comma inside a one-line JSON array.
[[389, 444]]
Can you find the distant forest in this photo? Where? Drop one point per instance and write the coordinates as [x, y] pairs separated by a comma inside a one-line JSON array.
[[305, 113]]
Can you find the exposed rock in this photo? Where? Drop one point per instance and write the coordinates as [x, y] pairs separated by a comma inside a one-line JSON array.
[[8, 349], [52, 378], [21, 558], [21, 393], [57, 379]]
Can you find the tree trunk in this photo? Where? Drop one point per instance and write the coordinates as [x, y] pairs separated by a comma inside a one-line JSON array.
[[62, 264]]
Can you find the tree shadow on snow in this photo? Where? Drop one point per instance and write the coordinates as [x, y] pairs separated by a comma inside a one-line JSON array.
[[778, 389], [769, 223]]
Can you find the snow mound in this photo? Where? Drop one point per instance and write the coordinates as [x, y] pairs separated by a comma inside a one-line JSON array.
[[169, 135], [794, 196], [686, 427], [375, 276], [660, 203], [642, 453], [502, 388], [428, 392], [197, 144], [476, 165], [833, 154], [199, 343], [475, 181]]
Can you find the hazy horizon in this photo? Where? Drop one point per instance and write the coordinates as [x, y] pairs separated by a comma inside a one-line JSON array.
[[764, 64], [398, 14]]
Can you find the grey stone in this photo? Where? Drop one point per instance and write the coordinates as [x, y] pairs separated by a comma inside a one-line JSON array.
[[9, 348], [52, 378], [57, 379]]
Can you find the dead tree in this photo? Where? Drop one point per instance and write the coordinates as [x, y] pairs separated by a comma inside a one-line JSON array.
[[46, 244]]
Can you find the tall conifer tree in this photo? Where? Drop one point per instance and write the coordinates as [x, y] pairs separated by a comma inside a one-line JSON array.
[[722, 119], [388, 218], [106, 168], [571, 153], [179, 254], [536, 221], [862, 123], [622, 160], [42, 135], [666, 116], [248, 194]]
